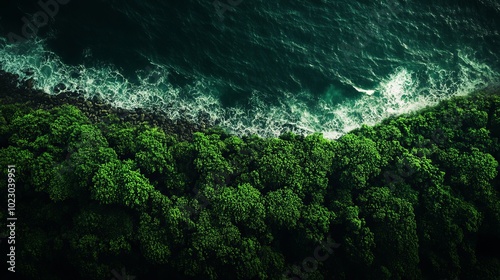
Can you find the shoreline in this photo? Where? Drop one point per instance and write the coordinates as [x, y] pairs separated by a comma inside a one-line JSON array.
[[95, 109], [13, 90]]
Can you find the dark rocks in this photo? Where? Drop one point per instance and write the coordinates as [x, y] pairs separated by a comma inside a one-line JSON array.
[[29, 84], [97, 99], [96, 109], [60, 88]]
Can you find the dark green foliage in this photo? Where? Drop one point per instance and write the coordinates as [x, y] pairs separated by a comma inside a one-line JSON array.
[[68, 119], [315, 222], [410, 198], [278, 166], [121, 136], [153, 156], [209, 162], [283, 208], [355, 171], [119, 182], [153, 238], [243, 205], [97, 235], [21, 158], [152, 153], [393, 223]]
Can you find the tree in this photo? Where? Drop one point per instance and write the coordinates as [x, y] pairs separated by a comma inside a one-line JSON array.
[[100, 240], [67, 119], [243, 205], [118, 182], [28, 128], [213, 249], [155, 160], [471, 172], [318, 157], [153, 155], [21, 158], [47, 177], [315, 222], [122, 138], [357, 162], [154, 240], [283, 208], [210, 163], [278, 167], [392, 221], [87, 149], [445, 221]]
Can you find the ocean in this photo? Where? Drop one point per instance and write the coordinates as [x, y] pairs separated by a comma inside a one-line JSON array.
[[257, 67]]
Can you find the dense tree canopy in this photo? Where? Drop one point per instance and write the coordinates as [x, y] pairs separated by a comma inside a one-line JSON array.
[[411, 198]]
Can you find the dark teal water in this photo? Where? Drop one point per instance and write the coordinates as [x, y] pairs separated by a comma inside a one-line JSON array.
[[262, 67]]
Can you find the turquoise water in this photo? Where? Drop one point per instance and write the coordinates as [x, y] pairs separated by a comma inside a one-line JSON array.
[[264, 67]]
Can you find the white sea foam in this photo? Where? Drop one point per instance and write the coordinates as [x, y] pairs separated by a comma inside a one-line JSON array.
[[367, 91], [400, 92]]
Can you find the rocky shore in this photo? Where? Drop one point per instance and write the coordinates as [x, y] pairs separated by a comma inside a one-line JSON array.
[[95, 109]]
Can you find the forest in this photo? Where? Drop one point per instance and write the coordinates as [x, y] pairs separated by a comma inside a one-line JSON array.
[[414, 197]]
